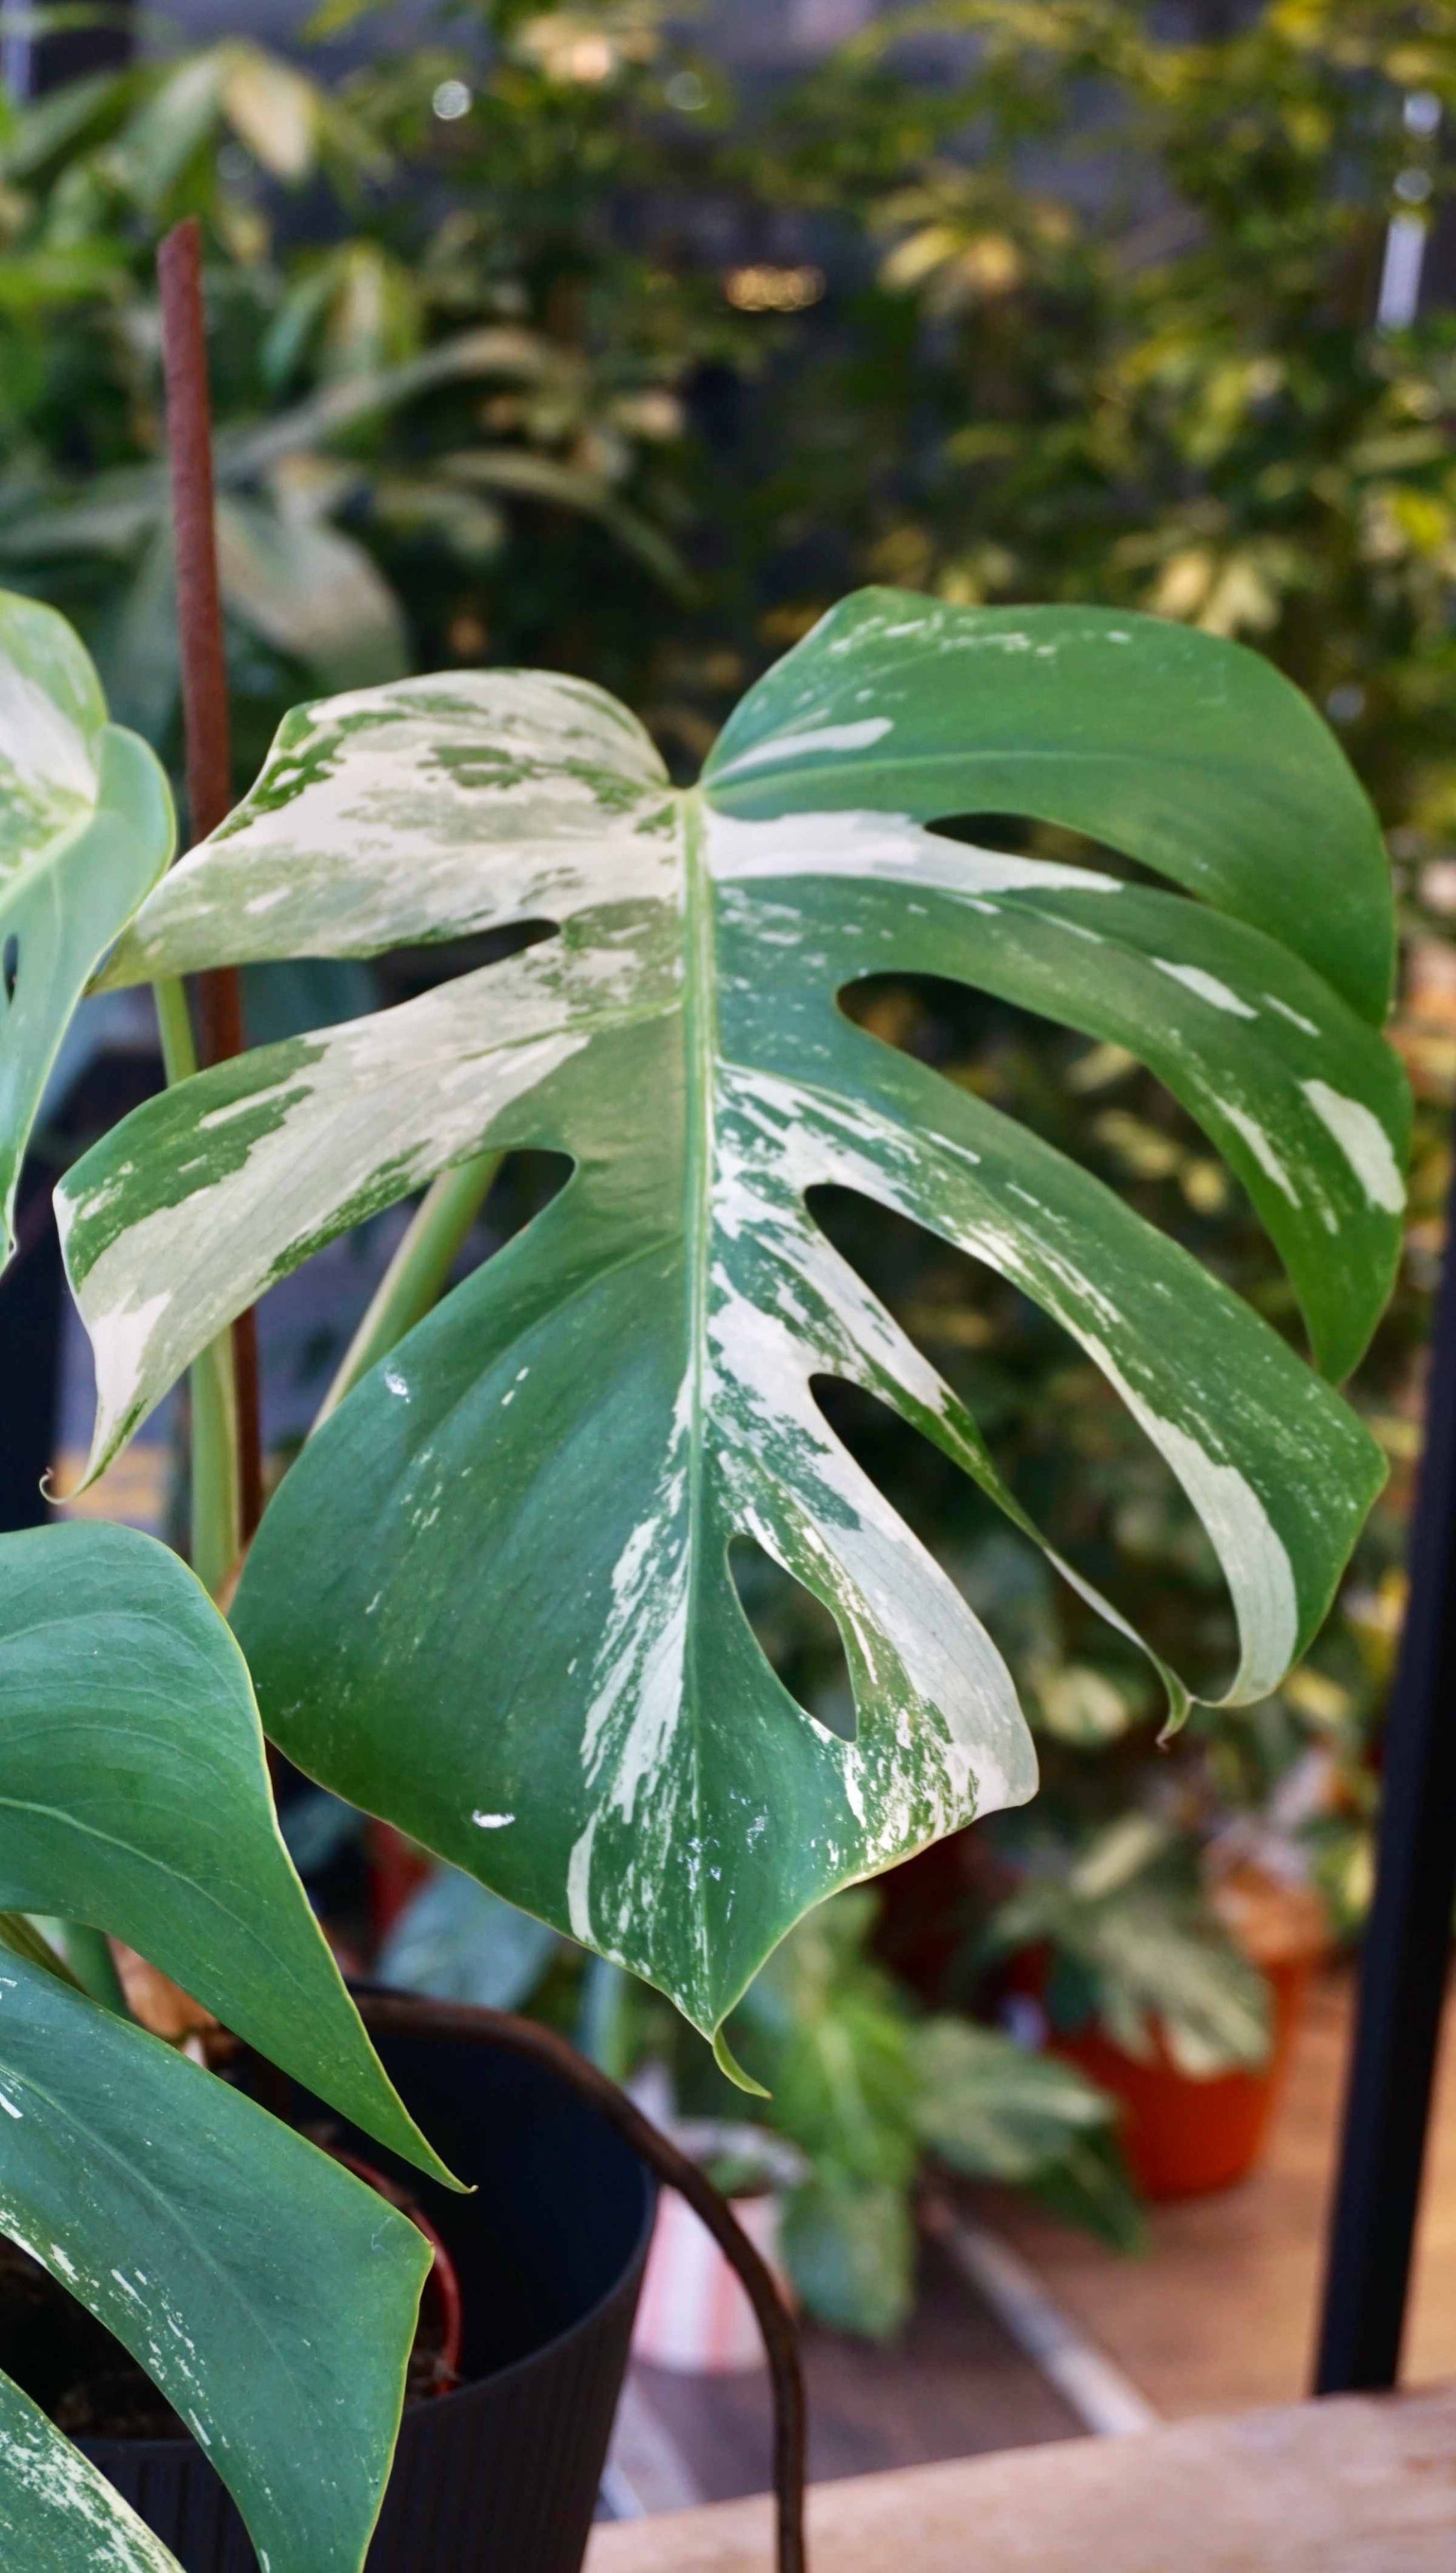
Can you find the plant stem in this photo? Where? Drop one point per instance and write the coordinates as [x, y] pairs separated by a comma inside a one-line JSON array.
[[415, 1276], [88, 1954], [206, 739], [216, 1524]]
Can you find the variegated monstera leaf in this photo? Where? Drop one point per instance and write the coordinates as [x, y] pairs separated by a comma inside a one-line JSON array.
[[493, 1599], [85, 828]]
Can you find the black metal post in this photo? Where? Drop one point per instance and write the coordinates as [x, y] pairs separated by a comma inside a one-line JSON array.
[[32, 1293], [1406, 1950]]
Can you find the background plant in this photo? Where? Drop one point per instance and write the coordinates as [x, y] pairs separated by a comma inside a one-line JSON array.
[[874, 2094]]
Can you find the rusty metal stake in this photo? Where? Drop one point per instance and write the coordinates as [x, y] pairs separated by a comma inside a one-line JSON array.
[[205, 712]]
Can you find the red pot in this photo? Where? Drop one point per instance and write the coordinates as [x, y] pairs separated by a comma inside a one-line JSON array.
[[1185, 2137], [397, 1868]]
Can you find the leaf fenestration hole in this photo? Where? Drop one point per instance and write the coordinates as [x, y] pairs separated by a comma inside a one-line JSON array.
[[405, 971], [1020, 836], [1081, 1465], [797, 1635], [10, 966]]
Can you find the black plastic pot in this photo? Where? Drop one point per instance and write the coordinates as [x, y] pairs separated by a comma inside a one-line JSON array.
[[500, 2476]]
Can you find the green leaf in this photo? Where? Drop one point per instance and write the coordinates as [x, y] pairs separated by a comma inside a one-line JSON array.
[[990, 2108], [531, 477], [849, 2246], [270, 2294], [309, 590], [1135, 1943], [138, 651], [169, 127], [1089, 2186], [57, 2513], [64, 120], [85, 828], [1190, 753], [594, 1415], [1163, 1968], [134, 1798], [829, 2037], [460, 1943]]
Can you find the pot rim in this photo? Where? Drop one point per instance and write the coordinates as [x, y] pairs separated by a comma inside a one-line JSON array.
[[431, 2405]]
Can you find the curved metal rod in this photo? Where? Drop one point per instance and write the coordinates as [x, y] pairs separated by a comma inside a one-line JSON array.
[[412, 2015]]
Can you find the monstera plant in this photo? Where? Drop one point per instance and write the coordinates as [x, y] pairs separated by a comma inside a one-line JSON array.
[[269, 2294], [493, 1600]]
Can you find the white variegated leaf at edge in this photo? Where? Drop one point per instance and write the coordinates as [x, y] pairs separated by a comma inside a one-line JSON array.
[[58, 2514], [521, 1520], [85, 829], [270, 2294]]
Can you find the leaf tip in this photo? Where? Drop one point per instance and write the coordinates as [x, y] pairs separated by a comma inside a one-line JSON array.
[[727, 2063]]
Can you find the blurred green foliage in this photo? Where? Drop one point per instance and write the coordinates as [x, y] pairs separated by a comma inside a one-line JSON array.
[[532, 341], [869, 2090]]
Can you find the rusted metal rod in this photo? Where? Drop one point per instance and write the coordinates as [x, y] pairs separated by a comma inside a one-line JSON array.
[[402, 2015], [204, 712]]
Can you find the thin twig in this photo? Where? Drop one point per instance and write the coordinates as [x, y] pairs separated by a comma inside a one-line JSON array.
[[204, 712], [401, 2014]]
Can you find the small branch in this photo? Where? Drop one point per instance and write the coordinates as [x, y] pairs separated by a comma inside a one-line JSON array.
[[416, 1278], [88, 1954], [209, 763], [199, 596], [216, 1526]]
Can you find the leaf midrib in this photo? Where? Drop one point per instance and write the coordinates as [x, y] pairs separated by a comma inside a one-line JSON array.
[[700, 1048]]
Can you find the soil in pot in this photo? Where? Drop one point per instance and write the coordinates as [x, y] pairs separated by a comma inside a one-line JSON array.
[[91, 2386], [499, 2475]]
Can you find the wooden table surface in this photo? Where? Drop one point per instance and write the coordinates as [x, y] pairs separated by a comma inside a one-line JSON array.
[[1358, 2484]]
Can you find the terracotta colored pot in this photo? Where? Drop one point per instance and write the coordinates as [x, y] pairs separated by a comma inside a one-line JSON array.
[[1183, 2136]]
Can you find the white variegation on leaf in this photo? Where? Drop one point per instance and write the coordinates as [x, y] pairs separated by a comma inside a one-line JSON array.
[[85, 829], [57, 2510], [496, 1584], [269, 2294]]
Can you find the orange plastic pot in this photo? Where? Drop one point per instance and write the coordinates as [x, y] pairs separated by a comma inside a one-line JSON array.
[[1183, 2136]]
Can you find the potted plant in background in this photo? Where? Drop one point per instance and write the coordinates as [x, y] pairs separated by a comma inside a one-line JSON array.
[[494, 1601], [1180, 1998], [877, 2097]]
